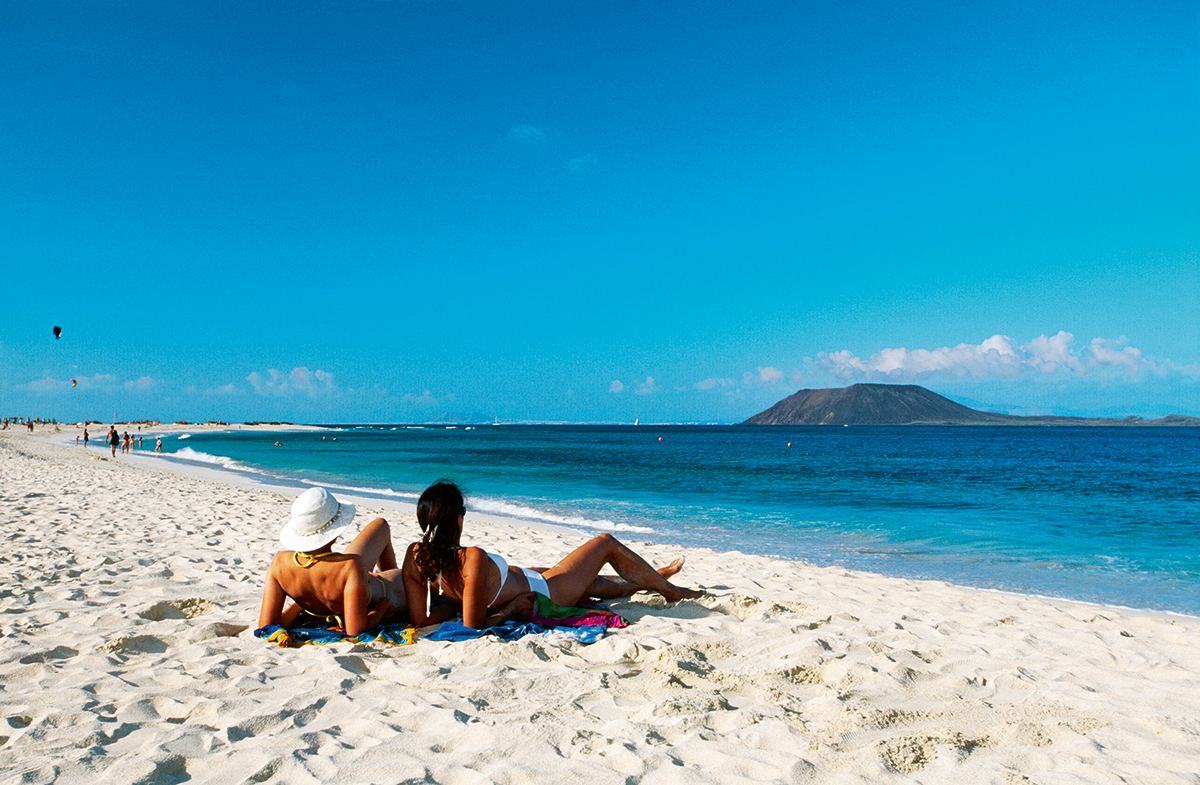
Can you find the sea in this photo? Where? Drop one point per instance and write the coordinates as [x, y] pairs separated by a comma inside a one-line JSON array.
[[1100, 514]]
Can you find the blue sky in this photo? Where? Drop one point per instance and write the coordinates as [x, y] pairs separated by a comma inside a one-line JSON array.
[[595, 211]]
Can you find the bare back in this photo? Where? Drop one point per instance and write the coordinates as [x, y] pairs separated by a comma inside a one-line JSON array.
[[322, 587]]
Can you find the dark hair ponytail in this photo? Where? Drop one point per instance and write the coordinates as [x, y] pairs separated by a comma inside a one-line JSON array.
[[438, 511]]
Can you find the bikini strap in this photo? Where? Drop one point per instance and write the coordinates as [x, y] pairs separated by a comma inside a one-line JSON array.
[[313, 558]]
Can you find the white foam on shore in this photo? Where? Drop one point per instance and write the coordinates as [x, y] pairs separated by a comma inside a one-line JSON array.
[[188, 454], [524, 513], [383, 492]]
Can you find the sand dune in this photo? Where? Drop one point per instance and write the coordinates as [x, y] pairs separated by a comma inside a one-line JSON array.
[[128, 594]]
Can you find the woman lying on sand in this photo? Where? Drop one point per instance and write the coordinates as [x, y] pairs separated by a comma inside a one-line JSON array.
[[337, 586], [491, 592]]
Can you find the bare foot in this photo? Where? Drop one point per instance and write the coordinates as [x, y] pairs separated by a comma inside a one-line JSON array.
[[671, 568], [677, 593]]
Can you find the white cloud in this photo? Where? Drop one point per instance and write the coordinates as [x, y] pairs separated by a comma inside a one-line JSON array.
[[300, 381], [616, 386], [648, 387], [1128, 359], [770, 375], [527, 135], [997, 357], [710, 384]]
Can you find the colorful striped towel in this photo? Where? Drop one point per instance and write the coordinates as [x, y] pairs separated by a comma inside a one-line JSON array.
[[548, 614]]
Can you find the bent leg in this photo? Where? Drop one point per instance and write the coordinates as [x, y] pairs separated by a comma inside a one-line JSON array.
[[605, 588], [571, 577], [374, 546]]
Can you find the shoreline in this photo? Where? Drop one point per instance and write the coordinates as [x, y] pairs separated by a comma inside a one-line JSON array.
[[388, 500], [131, 591]]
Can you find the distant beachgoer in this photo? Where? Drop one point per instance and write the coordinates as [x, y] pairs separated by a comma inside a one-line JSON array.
[[158, 444], [139, 442], [338, 586], [277, 444], [114, 439], [125, 443], [85, 437], [490, 592], [76, 440]]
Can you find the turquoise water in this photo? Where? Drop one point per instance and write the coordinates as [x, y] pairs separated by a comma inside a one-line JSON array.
[[1108, 515]]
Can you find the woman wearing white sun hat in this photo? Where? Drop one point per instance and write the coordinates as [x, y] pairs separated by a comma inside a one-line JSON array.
[[338, 586]]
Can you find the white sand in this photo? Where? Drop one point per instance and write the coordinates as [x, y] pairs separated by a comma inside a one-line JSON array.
[[128, 595]]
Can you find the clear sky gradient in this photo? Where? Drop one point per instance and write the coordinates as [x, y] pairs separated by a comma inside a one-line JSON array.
[[595, 211]]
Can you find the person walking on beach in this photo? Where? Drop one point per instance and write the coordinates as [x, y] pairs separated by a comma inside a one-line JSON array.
[[340, 587], [114, 439], [490, 592], [85, 437]]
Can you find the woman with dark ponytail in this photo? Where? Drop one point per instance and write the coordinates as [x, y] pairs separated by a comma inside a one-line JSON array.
[[488, 591]]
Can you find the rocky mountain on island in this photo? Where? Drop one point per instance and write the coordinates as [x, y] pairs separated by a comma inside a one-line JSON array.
[[910, 404]]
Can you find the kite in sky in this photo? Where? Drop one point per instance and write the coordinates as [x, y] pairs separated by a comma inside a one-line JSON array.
[[73, 382], [57, 332]]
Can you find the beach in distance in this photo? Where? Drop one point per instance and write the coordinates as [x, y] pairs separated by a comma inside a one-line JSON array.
[[130, 588]]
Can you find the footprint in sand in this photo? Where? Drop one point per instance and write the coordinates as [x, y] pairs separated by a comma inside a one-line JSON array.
[[57, 653], [176, 609], [217, 629], [135, 644]]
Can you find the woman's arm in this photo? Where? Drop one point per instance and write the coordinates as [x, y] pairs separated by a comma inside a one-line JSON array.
[[477, 569], [354, 600], [271, 611], [474, 594], [290, 615]]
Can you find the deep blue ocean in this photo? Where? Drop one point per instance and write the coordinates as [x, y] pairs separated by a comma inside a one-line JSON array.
[[1107, 515]]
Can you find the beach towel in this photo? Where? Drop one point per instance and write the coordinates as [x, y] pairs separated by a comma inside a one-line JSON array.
[[512, 630], [309, 629], [546, 613], [586, 625]]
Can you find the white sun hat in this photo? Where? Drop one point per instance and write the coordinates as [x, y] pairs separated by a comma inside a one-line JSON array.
[[317, 518]]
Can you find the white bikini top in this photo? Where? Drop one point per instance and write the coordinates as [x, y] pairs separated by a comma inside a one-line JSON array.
[[501, 565]]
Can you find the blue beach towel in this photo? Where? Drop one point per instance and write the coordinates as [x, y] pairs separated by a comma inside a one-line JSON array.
[[511, 630]]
